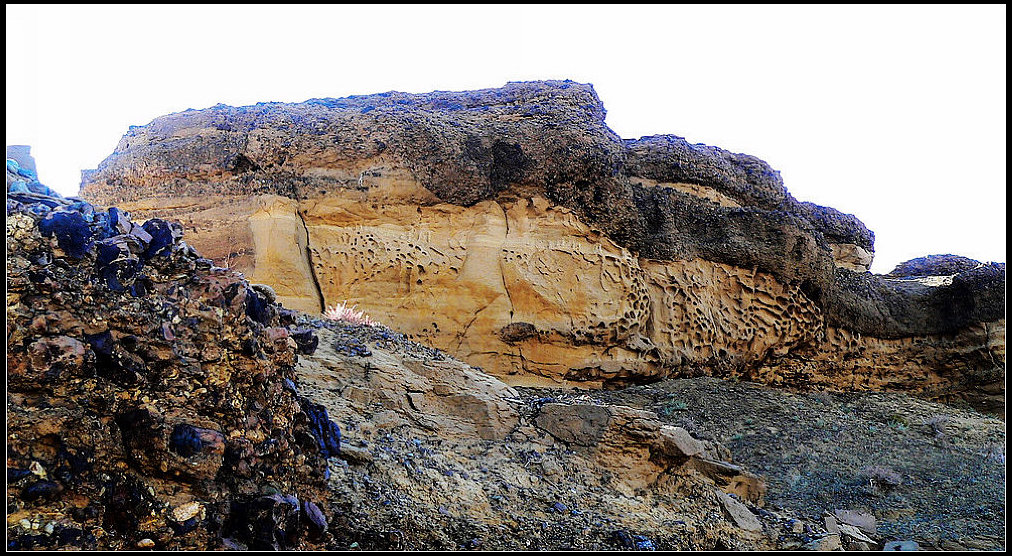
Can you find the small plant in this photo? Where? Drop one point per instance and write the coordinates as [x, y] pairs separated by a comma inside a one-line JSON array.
[[342, 312], [672, 406], [898, 421], [937, 423], [882, 476], [994, 452], [823, 397]]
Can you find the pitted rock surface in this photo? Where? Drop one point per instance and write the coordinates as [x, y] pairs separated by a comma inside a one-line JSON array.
[[158, 401], [459, 215]]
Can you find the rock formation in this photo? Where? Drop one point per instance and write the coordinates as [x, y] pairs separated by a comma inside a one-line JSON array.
[[512, 228], [157, 401], [150, 394]]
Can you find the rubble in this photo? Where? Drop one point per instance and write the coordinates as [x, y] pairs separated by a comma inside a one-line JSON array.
[[147, 405]]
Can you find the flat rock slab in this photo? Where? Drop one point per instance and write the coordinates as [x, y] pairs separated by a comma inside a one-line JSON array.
[[739, 513]]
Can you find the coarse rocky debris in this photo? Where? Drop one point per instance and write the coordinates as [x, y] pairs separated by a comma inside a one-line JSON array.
[[147, 404]]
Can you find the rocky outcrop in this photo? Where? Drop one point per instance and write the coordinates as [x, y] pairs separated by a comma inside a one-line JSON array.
[[151, 401], [934, 265], [159, 401], [512, 228], [642, 451]]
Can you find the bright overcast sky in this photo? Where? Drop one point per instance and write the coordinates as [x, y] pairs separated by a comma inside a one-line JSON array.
[[893, 113]]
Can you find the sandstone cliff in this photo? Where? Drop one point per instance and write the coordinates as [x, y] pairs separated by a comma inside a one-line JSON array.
[[512, 228], [157, 401]]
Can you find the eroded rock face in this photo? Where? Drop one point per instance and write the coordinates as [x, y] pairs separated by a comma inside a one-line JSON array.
[[421, 388], [158, 401], [512, 228]]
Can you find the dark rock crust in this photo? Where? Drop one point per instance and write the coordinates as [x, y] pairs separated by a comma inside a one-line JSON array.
[[150, 399]]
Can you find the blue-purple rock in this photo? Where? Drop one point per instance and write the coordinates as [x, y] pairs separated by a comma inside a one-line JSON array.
[[306, 340], [258, 307], [185, 440], [40, 489], [163, 236], [316, 522], [325, 431], [71, 231]]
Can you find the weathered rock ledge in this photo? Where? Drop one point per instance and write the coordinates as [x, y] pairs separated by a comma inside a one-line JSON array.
[[157, 401], [512, 228]]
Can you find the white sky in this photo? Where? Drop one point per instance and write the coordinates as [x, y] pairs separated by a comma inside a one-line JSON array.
[[893, 113]]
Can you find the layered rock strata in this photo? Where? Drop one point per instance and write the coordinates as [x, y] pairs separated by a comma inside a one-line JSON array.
[[157, 401], [512, 228]]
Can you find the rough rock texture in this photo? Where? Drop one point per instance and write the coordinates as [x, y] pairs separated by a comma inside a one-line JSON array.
[[158, 401], [147, 400], [897, 467], [637, 447], [437, 454], [512, 228], [934, 265]]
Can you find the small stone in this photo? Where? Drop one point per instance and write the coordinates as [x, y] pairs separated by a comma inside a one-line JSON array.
[[266, 291], [831, 526], [41, 489], [317, 522], [739, 513], [829, 542], [796, 526], [901, 545], [863, 521], [145, 543], [229, 543], [643, 543], [854, 533], [186, 511], [14, 474], [306, 340], [37, 469], [679, 443]]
